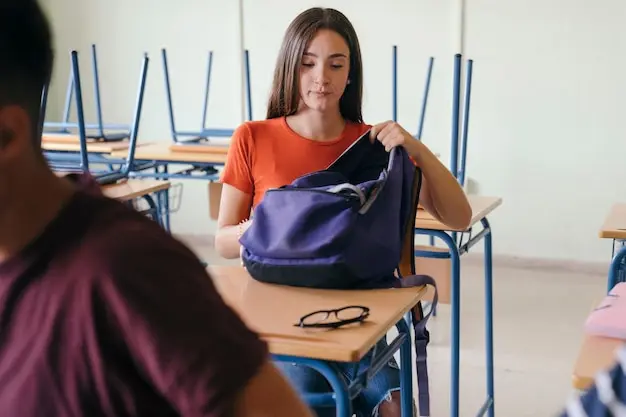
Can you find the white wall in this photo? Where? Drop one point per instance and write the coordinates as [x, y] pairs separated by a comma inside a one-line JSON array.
[[546, 92]]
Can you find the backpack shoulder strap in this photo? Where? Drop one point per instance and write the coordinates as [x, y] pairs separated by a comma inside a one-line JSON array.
[[422, 338], [406, 272]]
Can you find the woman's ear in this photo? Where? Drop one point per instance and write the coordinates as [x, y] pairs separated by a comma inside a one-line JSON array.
[[15, 130], [6, 136]]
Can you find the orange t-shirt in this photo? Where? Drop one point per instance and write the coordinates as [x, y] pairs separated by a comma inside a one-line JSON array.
[[268, 154]]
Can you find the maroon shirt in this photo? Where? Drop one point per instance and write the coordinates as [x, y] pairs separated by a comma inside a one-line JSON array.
[[105, 314]]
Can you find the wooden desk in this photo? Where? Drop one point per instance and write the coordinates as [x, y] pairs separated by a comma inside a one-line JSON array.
[[596, 353], [204, 148], [70, 138], [481, 207], [272, 311], [162, 152], [614, 226], [96, 147], [134, 188]]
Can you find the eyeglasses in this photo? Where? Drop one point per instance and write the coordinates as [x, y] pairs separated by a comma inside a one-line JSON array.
[[344, 316]]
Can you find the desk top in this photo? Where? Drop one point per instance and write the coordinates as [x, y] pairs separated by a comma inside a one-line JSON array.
[[272, 311], [203, 148], [614, 226], [134, 188], [68, 143], [162, 152], [481, 207], [69, 138], [596, 353]]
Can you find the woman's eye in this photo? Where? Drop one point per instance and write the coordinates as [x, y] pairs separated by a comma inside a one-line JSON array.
[[337, 66], [307, 64]]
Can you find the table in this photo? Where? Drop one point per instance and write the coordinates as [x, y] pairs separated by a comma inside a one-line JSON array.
[[425, 224], [131, 189], [199, 148], [596, 353], [161, 156], [71, 143], [257, 305], [614, 227], [134, 188]]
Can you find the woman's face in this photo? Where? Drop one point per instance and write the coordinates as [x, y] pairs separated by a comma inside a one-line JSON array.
[[324, 71]]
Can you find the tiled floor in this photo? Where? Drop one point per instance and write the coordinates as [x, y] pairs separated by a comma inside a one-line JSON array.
[[538, 316]]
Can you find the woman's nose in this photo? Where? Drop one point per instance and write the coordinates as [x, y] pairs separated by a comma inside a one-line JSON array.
[[321, 76]]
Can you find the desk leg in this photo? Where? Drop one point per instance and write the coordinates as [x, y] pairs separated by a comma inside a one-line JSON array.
[[336, 381], [406, 367], [455, 340], [455, 301], [164, 208], [164, 197], [455, 290], [154, 206], [489, 317], [166, 202], [616, 267]]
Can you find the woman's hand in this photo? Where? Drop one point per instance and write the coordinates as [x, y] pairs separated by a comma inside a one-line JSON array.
[[391, 134], [441, 194]]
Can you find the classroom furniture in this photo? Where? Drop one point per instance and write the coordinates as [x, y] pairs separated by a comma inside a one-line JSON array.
[[274, 321], [218, 149], [596, 353], [153, 192], [134, 188], [71, 143], [425, 224], [614, 227], [100, 131], [67, 154], [197, 164], [394, 91], [256, 304], [202, 135]]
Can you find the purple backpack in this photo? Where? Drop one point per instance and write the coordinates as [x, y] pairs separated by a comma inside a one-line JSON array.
[[343, 228]]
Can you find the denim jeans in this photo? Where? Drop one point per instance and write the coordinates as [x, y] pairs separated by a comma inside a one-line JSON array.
[[307, 380]]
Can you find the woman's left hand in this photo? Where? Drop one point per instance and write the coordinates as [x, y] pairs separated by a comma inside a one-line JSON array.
[[391, 134]]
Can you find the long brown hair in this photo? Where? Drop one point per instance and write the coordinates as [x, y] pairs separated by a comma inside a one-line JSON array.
[[285, 95]]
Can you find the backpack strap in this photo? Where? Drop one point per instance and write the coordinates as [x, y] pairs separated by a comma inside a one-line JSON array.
[[422, 337]]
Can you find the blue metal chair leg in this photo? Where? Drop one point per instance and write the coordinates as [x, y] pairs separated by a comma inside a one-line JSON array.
[[489, 317]]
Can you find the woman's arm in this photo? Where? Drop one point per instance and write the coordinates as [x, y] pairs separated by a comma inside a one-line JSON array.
[[441, 194], [232, 221]]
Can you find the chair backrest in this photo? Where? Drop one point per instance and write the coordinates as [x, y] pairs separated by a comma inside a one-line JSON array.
[[407, 260]]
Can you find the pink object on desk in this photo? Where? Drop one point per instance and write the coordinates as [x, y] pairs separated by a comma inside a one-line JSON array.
[[609, 318]]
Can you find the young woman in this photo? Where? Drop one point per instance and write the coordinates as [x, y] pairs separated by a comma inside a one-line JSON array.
[[313, 115]]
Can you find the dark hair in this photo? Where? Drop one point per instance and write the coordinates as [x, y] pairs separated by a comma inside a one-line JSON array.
[[285, 94], [26, 57]]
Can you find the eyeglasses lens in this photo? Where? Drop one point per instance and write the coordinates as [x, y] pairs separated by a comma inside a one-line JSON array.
[[316, 318], [350, 313]]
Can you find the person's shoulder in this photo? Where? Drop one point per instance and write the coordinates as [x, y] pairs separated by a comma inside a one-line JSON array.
[[121, 237], [255, 135], [359, 128], [255, 129]]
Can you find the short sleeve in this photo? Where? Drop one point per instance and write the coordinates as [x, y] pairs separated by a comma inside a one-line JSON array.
[[189, 345], [238, 168]]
